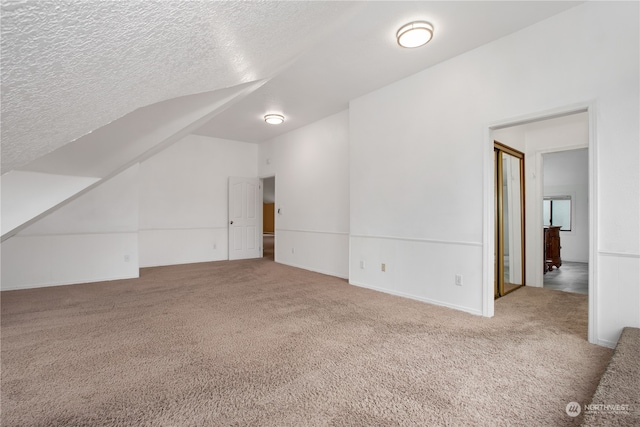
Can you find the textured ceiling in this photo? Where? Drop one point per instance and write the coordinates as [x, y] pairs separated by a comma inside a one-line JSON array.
[[70, 67]]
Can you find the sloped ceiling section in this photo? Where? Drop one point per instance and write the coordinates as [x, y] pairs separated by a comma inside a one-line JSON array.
[[137, 135], [57, 178], [70, 67]]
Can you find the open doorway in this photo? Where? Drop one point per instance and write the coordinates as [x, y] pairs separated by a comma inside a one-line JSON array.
[[538, 136], [541, 140], [268, 217], [566, 220]]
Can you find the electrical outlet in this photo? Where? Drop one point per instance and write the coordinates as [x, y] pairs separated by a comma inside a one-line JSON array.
[[383, 267], [293, 250], [362, 265], [127, 258], [215, 246], [458, 279]]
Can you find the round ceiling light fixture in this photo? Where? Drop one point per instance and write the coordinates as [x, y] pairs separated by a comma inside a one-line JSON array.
[[415, 34], [274, 119]]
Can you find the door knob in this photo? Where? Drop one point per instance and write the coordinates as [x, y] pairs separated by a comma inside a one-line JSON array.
[[231, 222]]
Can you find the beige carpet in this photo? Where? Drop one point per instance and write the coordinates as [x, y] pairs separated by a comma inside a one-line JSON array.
[[616, 401], [261, 344]]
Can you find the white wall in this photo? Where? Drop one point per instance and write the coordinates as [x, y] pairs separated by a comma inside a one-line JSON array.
[[183, 199], [26, 194], [513, 136], [93, 238], [312, 192], [420, 174], [566, 174]]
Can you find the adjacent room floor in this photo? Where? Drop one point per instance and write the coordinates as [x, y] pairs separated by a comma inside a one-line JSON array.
[[571, 277], [268, 245]]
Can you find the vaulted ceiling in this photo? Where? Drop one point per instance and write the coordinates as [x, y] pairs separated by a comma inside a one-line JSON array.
[[70, 67], [91, 87]]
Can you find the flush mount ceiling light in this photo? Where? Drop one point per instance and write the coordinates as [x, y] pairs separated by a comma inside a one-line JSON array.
[[415, 34], [274, 119]]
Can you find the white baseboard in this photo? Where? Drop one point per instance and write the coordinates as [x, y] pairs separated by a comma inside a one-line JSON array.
[[413, 297]]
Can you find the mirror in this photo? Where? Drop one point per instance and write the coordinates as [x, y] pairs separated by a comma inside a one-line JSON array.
[[509, 219], [512, 212]]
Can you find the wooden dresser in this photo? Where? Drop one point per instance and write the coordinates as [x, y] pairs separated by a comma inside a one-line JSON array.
[[551, 248]]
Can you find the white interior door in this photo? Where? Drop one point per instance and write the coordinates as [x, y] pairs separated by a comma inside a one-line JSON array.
[[245, 218]]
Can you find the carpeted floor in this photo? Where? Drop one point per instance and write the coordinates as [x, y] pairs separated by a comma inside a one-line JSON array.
[[258, 343], [616, 401]]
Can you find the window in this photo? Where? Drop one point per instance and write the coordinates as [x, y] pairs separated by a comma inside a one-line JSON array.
[[556, 210]]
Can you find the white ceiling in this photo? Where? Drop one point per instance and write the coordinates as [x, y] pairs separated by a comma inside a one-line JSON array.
[[70, 67], [362, 55]]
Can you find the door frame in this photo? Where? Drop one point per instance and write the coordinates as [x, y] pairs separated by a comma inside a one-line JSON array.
[[488, 233]]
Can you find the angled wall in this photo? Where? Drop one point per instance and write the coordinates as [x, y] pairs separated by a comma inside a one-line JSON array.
[[49, 182], [93, 238], [26, 194]]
